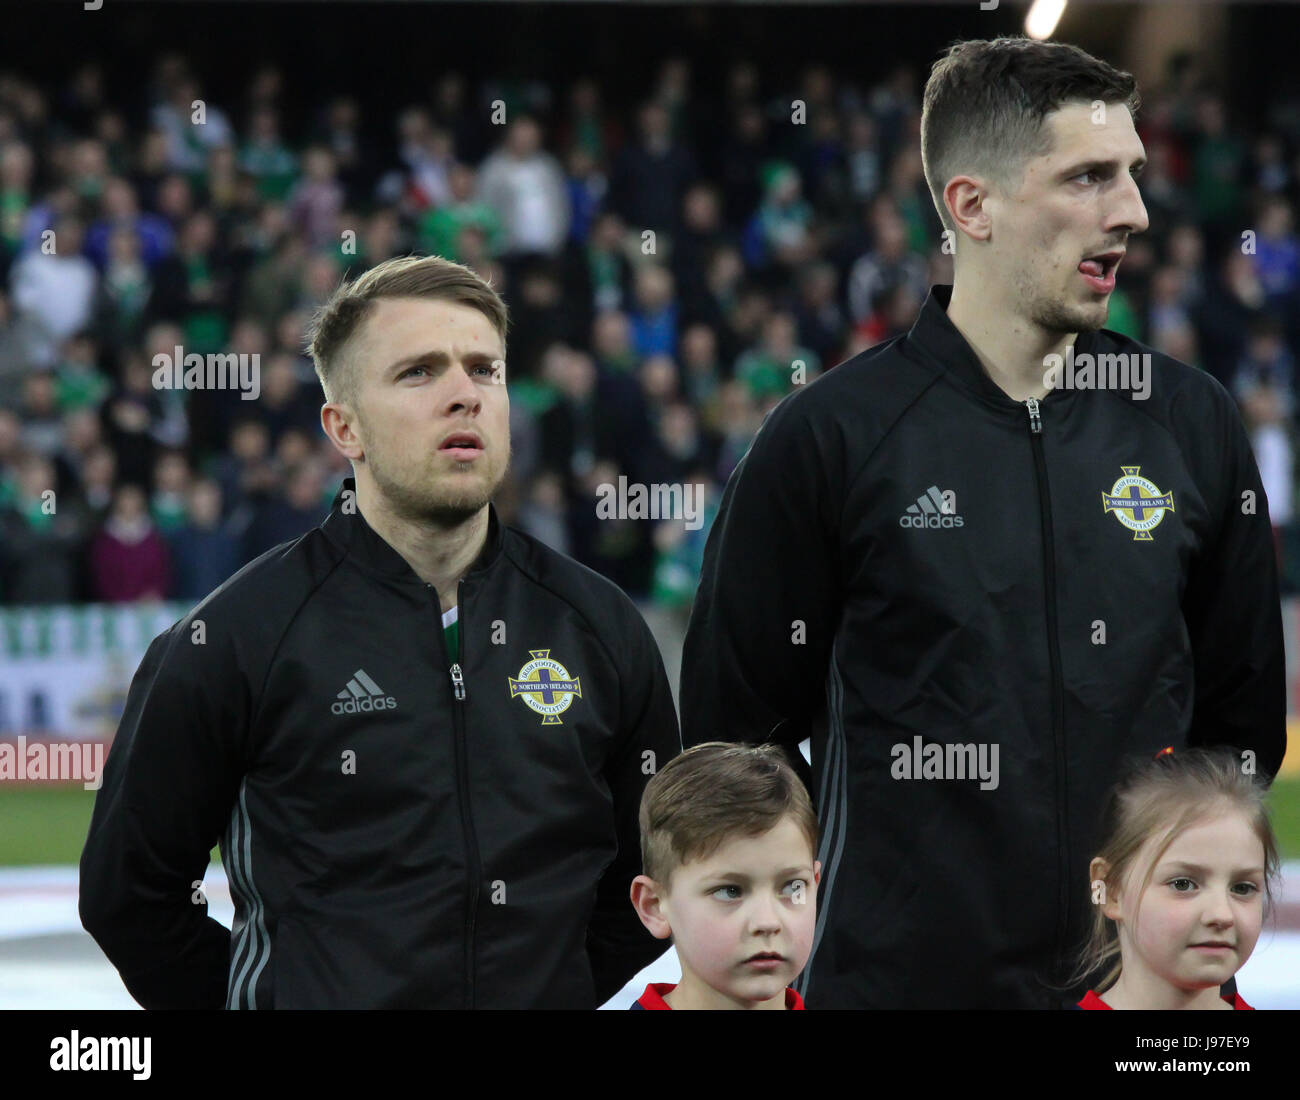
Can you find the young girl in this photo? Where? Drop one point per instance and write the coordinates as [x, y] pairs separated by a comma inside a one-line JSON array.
[[1182, 884]]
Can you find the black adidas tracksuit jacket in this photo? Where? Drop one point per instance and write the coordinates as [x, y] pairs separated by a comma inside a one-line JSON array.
[[466, 840], [906, 557]]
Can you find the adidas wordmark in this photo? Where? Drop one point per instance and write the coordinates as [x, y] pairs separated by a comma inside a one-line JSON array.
[[362, 695], [932, 509]]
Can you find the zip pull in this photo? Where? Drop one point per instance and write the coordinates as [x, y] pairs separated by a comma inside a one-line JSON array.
[[1035, 421], [458, 681]]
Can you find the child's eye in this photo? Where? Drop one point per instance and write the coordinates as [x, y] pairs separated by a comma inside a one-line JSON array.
[[726, 897], [1174, 883], [796, 886], [1250, 889]]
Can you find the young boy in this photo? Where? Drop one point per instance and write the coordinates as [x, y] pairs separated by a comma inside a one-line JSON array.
[[728, 840]]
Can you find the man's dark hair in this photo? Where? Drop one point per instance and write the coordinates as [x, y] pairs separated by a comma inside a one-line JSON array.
[[986, 101]]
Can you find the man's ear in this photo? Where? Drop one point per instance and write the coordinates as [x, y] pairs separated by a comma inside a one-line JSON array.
[[340, 424]]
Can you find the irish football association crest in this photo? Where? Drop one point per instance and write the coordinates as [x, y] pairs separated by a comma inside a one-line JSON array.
[[545, 686], [1137, 503]]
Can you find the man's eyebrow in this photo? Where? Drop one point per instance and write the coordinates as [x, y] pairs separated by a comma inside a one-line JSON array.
[[440, 357], [1096, 165]]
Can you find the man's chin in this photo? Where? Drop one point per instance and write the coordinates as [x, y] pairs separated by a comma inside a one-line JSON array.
[[455, 506]]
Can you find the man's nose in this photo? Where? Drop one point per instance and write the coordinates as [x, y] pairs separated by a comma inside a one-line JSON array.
[[462, 396], [1131, 211]]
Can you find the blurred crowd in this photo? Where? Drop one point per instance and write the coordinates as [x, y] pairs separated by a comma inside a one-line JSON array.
[[673, 267]]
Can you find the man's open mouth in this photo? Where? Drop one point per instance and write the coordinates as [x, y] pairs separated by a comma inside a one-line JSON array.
[[462, 445], [1101, 266]]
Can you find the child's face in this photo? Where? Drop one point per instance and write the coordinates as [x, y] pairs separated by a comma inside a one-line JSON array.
[[753, 895], [1206, 889]]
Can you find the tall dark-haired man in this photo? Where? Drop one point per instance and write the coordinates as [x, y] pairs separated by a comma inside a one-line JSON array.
[[980, 563]]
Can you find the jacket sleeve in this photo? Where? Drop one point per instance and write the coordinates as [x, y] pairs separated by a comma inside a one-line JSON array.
[[618, 944], [169, 783], [1233, 609], [755, 659]]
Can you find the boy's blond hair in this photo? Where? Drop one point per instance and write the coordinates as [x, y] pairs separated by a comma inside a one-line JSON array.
[[713, 793]]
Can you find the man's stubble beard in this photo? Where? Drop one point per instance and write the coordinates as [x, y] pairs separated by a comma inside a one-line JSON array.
[[1057, 316], [426, 498]]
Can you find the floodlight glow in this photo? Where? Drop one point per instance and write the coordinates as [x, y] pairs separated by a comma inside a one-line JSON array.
[[1043, 17]]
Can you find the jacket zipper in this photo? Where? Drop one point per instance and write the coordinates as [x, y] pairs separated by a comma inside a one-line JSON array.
[[459, 695], [1054, 658]]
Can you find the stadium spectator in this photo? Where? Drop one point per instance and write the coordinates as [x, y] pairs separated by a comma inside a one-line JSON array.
[[703, 230], [651, 175], [820, 320], [440, 226], [192, 286], [1232, 300], [341, 132], [1277, 260], [191, 124], [54, 289], [1269, 170], [121, 213], [862, 158], [205, 552], [587, 187], [524, 186], [777, 363], [747, 148], [128, 557], [82, 436], [317, 199], [286, 514], [889, 262], [98, 477], [171, 482], [39, 539], [11, 454], [653, 317], [702, 373], [267, 157], [780, 232], [428, 154], [604, 274], [1218, 166], [17, 166], [124, 291], [42, 426]]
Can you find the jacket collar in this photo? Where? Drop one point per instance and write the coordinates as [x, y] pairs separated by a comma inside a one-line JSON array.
[[347, 528], [940, 340]]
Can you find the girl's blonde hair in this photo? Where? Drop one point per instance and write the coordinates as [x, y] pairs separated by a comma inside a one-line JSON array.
[[1165, 796]]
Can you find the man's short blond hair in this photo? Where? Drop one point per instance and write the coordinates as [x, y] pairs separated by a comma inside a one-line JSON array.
[[335, 323]]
